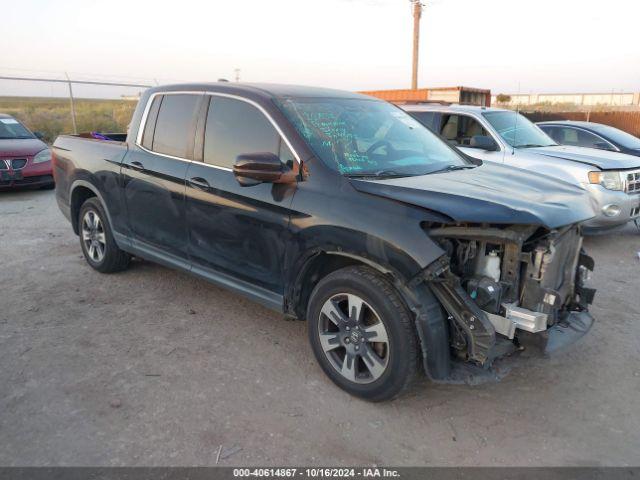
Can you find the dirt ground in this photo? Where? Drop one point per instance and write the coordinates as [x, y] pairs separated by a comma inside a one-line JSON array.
[[153, 367]]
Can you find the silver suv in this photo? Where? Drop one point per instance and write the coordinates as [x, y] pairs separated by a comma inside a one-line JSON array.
[[505, 136]]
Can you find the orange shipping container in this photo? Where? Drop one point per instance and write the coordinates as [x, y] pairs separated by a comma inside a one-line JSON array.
[[464, 95]]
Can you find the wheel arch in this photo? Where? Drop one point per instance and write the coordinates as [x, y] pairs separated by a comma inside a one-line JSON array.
[[429, 317], [80, 192], [317, 265]]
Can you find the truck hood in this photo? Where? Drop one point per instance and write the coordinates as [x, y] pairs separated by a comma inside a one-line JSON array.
[[602, 159], [26, 147], [489, 193]]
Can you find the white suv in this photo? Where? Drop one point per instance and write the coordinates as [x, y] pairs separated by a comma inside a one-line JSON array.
[[507, 137]]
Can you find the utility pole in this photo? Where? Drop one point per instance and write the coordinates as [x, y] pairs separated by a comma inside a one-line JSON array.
[[417, 13], [73, 107]]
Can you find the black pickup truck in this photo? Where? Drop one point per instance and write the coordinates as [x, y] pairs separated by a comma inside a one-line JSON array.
[[401, 253]]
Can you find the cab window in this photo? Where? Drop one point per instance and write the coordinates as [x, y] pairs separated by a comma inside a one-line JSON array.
[[235, 127], [174, 128]]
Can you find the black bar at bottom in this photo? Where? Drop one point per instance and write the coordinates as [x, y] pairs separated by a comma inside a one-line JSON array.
[[405, 473]]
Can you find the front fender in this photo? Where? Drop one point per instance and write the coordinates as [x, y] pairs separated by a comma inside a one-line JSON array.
[[382, 255]]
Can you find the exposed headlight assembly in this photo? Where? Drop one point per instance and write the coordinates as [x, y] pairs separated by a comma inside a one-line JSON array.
[[609, 180]]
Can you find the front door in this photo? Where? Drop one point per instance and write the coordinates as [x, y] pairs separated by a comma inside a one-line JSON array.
[[238, 234], [154, 177]]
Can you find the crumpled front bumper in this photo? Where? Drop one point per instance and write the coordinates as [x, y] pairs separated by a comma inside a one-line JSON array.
[[560, 336]]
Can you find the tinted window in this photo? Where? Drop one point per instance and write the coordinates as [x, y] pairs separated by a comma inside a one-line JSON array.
[[576, 137], [235, 127], [147, 136], [175, 125], [427, 119]]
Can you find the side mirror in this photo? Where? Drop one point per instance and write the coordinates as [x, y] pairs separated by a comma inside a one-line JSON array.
[[254, 168], [483, 142], [39, 135]]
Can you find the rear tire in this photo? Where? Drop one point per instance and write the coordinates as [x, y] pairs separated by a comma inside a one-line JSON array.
[[362, 334], [96, 240]]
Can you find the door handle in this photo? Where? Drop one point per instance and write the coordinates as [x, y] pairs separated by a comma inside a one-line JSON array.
[[199, 183], [136, 166]]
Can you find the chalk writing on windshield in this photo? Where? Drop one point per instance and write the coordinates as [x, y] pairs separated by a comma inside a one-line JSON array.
[[334, 134]]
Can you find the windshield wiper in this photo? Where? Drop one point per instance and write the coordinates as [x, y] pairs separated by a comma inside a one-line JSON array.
[[452, 168], [533, 145], [378, 174]]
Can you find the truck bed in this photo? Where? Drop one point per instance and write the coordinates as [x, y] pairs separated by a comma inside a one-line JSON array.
[[90, 158]]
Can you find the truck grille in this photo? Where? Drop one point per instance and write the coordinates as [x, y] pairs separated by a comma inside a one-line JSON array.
[[633, 182], [13, 163]]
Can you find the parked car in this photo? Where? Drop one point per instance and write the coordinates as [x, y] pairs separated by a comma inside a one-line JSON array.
[[342, 210], [591, 135], [25, 160], [504, 136]]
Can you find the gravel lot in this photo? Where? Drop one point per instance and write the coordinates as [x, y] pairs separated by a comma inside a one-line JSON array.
[[153, 367]]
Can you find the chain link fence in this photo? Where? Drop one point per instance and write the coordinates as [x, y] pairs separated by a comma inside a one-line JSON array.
[[52, 116]]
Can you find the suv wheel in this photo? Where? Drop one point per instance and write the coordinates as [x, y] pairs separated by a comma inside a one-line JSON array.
[[362, 334], [98, 246]]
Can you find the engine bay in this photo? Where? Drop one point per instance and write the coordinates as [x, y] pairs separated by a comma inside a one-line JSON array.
[[500, 282]]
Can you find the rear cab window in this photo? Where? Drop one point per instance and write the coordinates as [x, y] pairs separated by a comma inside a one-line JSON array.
[[149, 126], [177, 116], [169, 126]]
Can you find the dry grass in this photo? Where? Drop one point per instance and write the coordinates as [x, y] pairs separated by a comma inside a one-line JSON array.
[[52, 116]]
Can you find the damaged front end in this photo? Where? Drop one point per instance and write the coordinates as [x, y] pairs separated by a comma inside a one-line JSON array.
[[508, 287]]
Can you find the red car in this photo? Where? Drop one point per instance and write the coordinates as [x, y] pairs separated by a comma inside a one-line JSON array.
[[25, 160]]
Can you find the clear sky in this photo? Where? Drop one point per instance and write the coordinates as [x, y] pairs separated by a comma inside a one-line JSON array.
[[504, 45]]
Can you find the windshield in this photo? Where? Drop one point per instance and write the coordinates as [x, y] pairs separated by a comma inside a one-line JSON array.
[[362, 137], [11, 129], [517, 130], [618, 136]]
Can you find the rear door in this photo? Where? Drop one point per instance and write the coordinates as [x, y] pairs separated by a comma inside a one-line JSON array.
[[238, 234], [154, 177]]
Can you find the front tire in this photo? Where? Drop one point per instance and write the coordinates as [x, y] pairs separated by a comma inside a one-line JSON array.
[[362, 334], [96, 239]]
